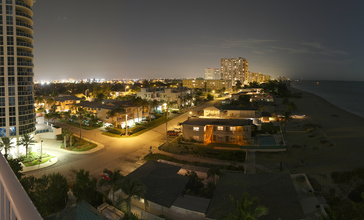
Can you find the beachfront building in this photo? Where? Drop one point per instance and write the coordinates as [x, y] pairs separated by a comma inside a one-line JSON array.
[[17, 111], [256, 77], [212, 73], [212, 130], [208, 84], [234, 69]]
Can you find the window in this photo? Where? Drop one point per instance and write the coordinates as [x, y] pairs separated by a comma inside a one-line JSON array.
[[232, 128], [2, 81], [10, 50], [220, 128], [11, 91], [11, 101], [9, 20], [10, 40], [2, 91], [2, 112], [11, 71], [196, 128], [11, 81], [2, 122], [2, 132], [9, 9], [1, 50], [12, 131], [9, 1], [12, 121], [11, 111], [10, 61]]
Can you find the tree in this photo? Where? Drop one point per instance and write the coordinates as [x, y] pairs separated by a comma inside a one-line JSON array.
[[26, 141], [209, 97], [287, 117], [132, 189], [66, 116], [48, 193], [112, 182], [6, 144], [85, 187], [213, 172], [194, 184], [111, 114], [50, 101], [246, 209], [16, 166], [80, 115]]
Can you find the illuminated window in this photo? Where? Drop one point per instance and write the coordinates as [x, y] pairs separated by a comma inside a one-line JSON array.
[[232, 128], [220, 128], [196, 128]]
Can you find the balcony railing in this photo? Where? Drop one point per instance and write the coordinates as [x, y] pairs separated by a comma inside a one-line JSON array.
[[25, 64], [21, 34], [24, 15], [20, 3], [24, 25], [14, 201], [23, 54], [24, 44]]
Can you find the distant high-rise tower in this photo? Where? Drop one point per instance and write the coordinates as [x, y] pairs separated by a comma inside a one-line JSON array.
[[235, 69], [212, 73], [17, 115]]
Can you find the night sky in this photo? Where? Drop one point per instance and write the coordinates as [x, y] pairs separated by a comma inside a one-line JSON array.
[[116, 39]]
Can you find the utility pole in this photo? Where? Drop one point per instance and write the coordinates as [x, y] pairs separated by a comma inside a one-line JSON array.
[[126, 124]]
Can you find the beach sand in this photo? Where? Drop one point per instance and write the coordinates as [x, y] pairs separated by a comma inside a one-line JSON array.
[[338, 145]]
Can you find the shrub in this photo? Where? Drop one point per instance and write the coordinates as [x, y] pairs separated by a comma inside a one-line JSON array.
[[113, 130]]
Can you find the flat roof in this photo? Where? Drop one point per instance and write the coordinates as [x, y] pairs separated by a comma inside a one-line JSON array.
[[217, 121]]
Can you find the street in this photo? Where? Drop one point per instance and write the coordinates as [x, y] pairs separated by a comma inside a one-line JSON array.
[[118, 153]]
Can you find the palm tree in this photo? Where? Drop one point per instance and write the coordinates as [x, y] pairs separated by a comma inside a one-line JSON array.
[[66, 116], [26, 140], [80, 115], [246, 209], [111, 114], [6, 144], [113, 181], [50, 101], [132, 189], [287, 117], [213, 172]]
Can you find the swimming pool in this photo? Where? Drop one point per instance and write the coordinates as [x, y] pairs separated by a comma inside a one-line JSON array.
[[267, 141]]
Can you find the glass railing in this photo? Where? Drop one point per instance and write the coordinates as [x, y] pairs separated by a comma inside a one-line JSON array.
[[20, 3], [24, 44], [24, 35], [24, 25], [22, 54], [25, 64], [24, 15]]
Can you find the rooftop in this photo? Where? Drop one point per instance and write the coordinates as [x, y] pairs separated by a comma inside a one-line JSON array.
[[217, 121]]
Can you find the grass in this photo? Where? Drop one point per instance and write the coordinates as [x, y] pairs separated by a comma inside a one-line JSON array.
[[80, 145], [33, 159], [156, 157]]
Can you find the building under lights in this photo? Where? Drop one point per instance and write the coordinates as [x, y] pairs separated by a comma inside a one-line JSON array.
[[234, 69], [17, 115]]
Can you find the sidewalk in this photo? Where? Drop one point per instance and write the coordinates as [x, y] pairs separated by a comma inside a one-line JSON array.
[[55, 145]]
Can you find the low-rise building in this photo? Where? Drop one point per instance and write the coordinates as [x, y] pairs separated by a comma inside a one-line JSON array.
[[213, 130], [63, 102], [212, 84], [177, 96]]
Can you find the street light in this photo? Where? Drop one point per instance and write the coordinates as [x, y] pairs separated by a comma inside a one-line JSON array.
[[126, 87], [41, 149]]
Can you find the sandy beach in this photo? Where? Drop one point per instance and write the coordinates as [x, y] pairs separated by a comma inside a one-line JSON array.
[[338, 145]]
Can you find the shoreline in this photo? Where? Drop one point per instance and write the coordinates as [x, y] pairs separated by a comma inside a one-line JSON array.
[[337, 146]]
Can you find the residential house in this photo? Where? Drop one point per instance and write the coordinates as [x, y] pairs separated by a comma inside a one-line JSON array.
[[233, 112], [63, 102], [165, 193], [213, 130], [178, 96]]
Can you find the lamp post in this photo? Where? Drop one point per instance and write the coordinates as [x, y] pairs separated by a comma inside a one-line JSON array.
[[41, 149], [126, 87], [126, 124]]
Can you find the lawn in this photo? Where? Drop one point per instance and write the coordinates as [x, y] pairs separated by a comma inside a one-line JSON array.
[[80, 145], [33, 159]]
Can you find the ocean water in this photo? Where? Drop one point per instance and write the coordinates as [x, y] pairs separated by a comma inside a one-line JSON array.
[[348, 95]]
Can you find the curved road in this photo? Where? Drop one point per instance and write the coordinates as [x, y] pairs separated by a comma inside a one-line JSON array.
[[118, 153]]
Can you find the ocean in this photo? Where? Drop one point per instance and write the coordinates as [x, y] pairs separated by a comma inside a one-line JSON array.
[[348, 95]]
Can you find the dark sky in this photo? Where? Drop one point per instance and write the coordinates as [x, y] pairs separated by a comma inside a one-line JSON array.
[[115, 39]]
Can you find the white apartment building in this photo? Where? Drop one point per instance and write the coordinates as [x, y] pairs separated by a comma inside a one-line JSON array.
[[179, 95], [235, 69], [17, 113], [212, 73]]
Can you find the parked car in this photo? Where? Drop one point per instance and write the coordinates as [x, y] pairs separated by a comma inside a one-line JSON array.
[[172, 133], [105, 175]]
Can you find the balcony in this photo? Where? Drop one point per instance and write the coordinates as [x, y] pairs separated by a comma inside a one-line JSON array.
[[22, 34], [18, 13], [23, 44], [21, 3], [24, 54], [23, 24], [29, 64], [14, 201]]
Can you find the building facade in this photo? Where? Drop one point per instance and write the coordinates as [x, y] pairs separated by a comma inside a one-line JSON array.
[[257, 77], [179, 96], [230, 131], [235, 69], [212, 73], [212, 84], [17, 114]]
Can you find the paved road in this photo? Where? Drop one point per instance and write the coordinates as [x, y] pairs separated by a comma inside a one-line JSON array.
[[118, 153]]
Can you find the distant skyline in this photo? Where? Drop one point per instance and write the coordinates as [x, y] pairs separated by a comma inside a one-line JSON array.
[[318, 40]]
